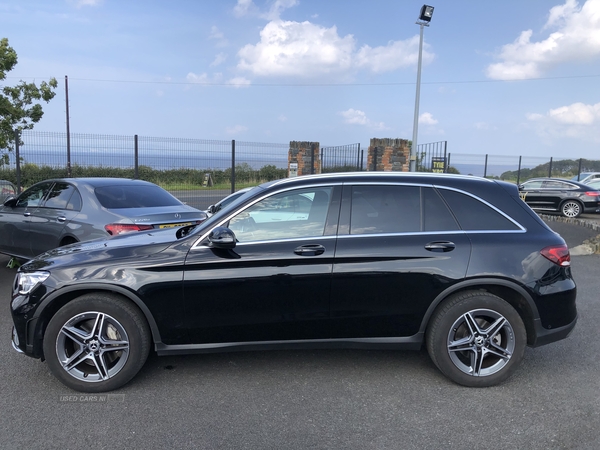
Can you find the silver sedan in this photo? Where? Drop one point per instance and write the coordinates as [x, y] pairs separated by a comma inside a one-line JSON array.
[[58, 212]]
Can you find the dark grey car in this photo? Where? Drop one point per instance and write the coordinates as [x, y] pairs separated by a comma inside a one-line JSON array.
[[58, 212]]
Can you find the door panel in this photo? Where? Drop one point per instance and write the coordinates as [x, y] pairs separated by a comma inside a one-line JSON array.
[[275, 284], [383, 284]]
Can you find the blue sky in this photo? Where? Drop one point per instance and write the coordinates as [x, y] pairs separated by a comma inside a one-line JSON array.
[[508, 77]]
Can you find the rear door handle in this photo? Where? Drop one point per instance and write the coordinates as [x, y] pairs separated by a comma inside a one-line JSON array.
[[440, 246], [61, 218], [309, 250]]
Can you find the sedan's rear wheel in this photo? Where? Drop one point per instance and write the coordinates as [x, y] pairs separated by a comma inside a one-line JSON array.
[[571, 209], [96, 343], [476, 339]]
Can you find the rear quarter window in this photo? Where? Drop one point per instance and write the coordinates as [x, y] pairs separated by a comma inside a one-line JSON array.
[[474, 215]]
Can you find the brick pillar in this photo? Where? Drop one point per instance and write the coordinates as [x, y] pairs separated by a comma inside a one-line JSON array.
[[388, 155], [305, 155]]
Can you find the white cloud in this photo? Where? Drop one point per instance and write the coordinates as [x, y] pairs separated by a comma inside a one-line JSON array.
[[304, 49], [218, 36], [237, 129], [427, 119], [357, 117], [576, 114], [394, 55], [243, 8], [204, 78], [282, 118], [278, 7], [82, 3], [577, 120], [576, 38], [239, 82], [219, 59]]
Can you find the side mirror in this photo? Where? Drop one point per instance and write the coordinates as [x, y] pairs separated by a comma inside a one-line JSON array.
[[10, 202], [520, 187], [211, 209], [221, 237]]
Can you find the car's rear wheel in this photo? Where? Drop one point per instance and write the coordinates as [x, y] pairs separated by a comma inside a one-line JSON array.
[[571, 209], [476, 339], [96, 343]]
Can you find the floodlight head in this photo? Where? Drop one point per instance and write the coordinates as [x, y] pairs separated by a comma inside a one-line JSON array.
[[426, 13]]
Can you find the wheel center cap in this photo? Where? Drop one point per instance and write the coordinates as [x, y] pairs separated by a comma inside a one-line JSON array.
[[479, 341], [93, 346]]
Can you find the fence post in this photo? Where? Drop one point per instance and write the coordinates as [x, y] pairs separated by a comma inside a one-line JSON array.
[[18, 160], [232, 166], [519, 171], [136, 174], [485, 166], [448, 162], [550, 168], [312, 158], [445, 160], [579, 169], [362, 159]]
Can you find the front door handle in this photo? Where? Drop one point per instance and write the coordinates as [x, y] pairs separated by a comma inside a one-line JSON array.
[[61, 218], [440, 246], [309, 250]]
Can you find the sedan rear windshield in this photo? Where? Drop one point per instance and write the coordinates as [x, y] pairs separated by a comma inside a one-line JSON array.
[[114, 197]]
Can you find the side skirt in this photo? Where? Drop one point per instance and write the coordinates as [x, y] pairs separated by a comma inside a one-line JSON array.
[[392, 343]]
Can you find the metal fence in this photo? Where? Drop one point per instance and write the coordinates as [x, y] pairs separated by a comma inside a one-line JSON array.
[[342, 158], [194, 167], [434, 157]]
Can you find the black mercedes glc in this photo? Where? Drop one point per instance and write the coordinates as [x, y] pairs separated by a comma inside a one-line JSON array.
[[459, 265]]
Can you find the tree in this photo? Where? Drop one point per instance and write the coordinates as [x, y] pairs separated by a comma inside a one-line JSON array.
[[20, 107]]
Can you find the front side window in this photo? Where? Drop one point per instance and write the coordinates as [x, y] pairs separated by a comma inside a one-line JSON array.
[[287, 215], [536, 184], [32, 197]]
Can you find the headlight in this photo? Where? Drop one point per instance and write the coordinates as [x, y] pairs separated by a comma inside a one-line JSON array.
[[25, 282]]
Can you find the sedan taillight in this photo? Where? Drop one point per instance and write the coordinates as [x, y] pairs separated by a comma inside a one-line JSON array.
[[593, 193], [119, 228], [558, 254]]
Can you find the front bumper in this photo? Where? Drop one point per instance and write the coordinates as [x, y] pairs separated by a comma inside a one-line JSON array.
[[15, 341]]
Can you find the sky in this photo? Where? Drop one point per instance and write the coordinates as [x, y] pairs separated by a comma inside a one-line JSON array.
[[508, 77]]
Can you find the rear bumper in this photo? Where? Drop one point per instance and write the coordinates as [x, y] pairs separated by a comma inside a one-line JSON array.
[[545, 336]]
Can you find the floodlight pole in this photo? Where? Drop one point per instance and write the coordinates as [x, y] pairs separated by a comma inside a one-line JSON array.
[[413, 147]]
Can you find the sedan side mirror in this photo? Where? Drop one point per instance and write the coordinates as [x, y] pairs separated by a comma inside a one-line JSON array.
[[10, 202], [211, 209], [221, 237]]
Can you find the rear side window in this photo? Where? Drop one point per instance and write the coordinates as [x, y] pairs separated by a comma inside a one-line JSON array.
[[473, 214], [398, 209], [115, 197], [60, 196]]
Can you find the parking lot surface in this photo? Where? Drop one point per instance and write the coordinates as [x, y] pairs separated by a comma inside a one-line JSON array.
[[334, 399]]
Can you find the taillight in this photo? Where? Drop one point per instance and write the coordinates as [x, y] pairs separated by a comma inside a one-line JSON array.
[[558, 254], [119, 228], [593, 193]]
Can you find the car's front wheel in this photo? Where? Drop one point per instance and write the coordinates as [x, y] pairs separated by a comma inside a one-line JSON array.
[[571, 209], [96, 343], [476, 339]]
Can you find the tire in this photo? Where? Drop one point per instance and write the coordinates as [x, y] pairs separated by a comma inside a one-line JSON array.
[[96, 343], [68, 241], [571, 209], [476, 339]]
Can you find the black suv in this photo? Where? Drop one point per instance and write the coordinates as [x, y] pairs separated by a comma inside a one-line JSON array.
[[460, 265]]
